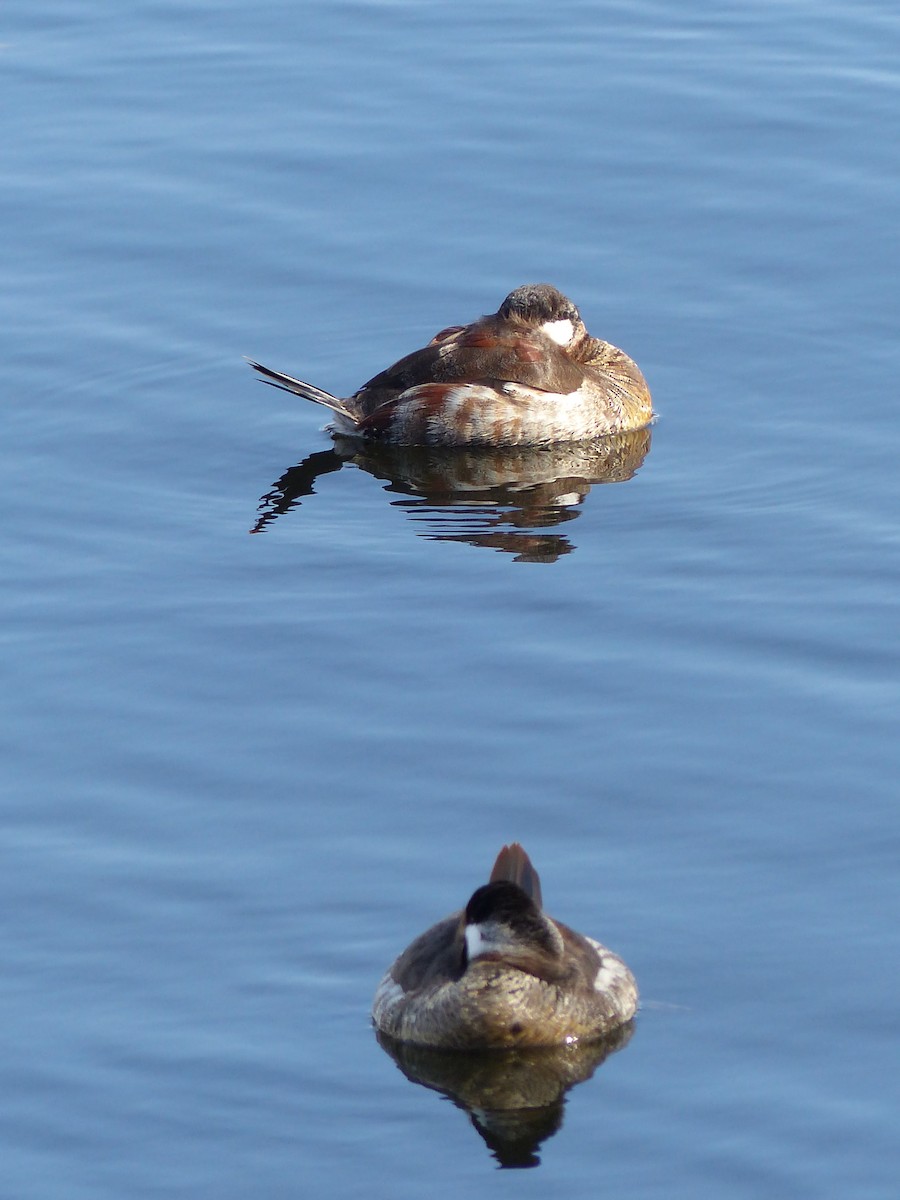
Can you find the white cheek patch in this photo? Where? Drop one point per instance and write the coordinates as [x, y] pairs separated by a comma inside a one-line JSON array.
[[560, 331], [475, 941], [487, 938]]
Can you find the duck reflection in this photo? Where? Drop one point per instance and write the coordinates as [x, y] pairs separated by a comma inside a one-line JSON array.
[[514, 1098], [510, 499]]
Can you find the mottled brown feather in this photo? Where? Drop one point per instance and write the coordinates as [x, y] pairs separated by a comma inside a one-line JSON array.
[[486, 350]]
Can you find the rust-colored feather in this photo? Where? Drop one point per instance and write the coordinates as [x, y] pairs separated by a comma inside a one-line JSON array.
[[514, 866]]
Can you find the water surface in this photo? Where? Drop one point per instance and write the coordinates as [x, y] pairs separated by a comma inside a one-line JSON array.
[[241, 772]]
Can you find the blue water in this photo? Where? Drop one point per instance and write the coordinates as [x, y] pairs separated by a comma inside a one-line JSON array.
[[241, 772]]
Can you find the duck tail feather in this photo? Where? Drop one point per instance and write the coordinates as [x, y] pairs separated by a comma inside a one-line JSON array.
[[514, 866], [300, 388]]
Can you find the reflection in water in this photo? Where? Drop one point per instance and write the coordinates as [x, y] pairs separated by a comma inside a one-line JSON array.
[[514, 1098], [507, 499]]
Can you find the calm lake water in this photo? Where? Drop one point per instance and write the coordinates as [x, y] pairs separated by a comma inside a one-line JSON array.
[[241, 772]]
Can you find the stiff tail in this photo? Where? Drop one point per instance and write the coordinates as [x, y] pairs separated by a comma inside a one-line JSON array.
[[308, 391], [514, 866]]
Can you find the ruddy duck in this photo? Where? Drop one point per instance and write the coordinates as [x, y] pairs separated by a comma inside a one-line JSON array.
[[502, 973], [528, 374]]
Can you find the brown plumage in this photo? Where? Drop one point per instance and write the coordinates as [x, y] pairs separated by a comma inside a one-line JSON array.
[[502, 973], [528, 374]]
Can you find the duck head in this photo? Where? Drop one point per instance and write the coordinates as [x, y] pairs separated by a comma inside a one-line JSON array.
[[545, 307], [502, 924]]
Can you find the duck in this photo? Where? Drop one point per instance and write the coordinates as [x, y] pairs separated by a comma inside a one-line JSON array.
[[529, 374], [501, 974]]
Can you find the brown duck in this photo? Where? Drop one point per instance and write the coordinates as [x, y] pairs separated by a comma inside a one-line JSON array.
[[528, 374], [502, 973]]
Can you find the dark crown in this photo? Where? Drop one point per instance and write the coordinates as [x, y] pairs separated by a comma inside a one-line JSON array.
[[500, 901], [539, 302]]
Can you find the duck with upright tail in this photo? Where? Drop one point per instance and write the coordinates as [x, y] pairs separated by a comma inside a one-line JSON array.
[[529, 374], [502, 973]]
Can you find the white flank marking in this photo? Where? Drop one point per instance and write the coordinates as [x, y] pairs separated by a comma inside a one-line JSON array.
[[342, 424], [389, 994], [608, 974], [611, 969]]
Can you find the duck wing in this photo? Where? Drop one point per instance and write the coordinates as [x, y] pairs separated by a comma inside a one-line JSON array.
[[483, 351]]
